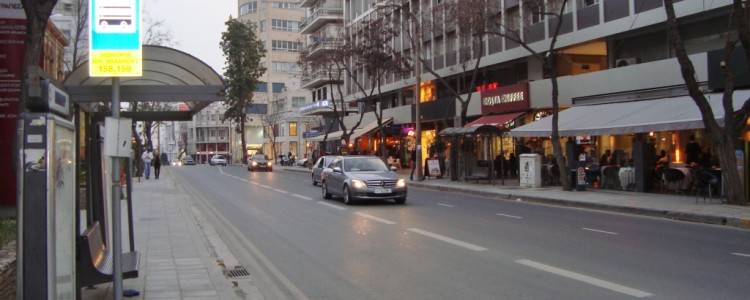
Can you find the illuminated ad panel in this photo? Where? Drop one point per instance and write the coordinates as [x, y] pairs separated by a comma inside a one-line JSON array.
[[115, 45]]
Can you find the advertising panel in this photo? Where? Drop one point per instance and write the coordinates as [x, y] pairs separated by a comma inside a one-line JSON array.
[[115, 45], [12, 47]]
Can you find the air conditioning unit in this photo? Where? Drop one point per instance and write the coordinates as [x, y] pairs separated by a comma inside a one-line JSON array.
[[627, 61]]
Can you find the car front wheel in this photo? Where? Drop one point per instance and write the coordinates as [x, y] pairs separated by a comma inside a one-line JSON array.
[[348, 200], [313, 180]]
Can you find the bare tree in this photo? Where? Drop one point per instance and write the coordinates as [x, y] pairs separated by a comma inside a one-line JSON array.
[[724, 138], [510, 27], [269, 121], [79, 44]]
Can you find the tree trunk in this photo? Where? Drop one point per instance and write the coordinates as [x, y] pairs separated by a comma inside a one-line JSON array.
[[550, 65]]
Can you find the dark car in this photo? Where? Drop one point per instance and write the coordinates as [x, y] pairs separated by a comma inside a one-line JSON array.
[[259, 162], [362, 178], [317, 169], [188, 160]]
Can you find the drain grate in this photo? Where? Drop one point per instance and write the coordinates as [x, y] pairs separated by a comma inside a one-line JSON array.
[[238, 272]]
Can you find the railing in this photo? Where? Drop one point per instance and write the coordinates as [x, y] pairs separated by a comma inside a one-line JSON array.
[[323, 12]]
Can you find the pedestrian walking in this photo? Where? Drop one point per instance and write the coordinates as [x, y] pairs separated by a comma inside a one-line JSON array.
[[147, 156], [156, 162]]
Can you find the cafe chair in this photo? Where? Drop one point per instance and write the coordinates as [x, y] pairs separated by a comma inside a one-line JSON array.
[[704, 182], [672, 176]]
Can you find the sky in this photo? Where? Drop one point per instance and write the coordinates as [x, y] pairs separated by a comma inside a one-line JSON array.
[[196, 25]]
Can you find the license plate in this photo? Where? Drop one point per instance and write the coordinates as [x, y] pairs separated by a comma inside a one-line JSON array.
[[382, 191]]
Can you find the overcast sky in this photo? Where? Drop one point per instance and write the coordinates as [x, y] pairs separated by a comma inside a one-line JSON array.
[[196, 25]]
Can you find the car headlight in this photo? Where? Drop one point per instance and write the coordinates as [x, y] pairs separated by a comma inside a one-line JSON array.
[[358, 184], [269, 164], [401, 183], [255, 164]]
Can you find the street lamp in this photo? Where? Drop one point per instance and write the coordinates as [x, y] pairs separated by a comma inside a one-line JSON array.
[[416, 45]]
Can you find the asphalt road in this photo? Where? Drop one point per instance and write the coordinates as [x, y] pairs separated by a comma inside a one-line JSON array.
[[444, 245]]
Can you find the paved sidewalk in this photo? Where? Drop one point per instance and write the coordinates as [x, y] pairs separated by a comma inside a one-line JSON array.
[[678, 207], [177, 246]]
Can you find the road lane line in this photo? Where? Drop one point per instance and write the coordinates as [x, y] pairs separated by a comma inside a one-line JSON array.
[[255, 183], [302, 197], [374, 218], [243, 179], [447, 239], [265, 186], [600, 231], [510, 216], [332, 206], [586, 279], [446, 205], [741, 254], [281, 191]]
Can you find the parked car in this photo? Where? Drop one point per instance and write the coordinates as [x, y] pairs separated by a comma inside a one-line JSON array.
[[258, 162], [188, 160], [302, 162], [218, 159], [176, 162], [317, 169], [362, 178]]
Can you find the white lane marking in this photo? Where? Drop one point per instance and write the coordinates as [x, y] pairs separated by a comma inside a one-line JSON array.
[[374, 218], [255, 183], [446, 205], [281, 191], [331, 205], [242, 179], [447, 239], [510, 216], [302, 197], [600, 231], [265, 186], [741, 254], [586, 279]]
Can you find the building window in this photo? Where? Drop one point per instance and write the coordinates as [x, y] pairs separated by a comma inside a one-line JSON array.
[[285, 5], [262, 87], [298, 102], [285, 25], [248, 8], [286, 46], [293, 148], [285, 67], [292, 128], [262, 25], [278, 87]]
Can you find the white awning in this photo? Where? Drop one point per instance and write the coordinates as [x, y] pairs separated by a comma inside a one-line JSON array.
[[666, 114], [360, 131]]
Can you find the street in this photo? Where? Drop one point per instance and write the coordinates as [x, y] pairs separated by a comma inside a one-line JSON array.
[[444, 245]]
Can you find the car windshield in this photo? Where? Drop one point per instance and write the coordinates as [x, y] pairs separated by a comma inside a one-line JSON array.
[[364, 164], [259, 157]]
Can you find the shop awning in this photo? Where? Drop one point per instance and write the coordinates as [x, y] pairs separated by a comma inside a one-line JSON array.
[[480, 130], [360, 131], [495, 120], [666, 114]]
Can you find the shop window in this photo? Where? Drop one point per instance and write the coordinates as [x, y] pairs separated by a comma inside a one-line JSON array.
[[292, 128]]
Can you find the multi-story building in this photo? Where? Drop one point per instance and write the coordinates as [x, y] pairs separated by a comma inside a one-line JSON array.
[[278, 26], [609, 52], [65, 16], [210, 135]]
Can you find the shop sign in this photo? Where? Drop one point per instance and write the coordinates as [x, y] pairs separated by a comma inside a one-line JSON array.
[[322, 104], [12, 39], [505, 99]]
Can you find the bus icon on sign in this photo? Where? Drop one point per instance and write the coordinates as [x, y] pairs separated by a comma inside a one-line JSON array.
[[113, 16]]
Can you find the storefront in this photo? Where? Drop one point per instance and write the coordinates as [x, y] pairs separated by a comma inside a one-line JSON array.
[[635, 133]]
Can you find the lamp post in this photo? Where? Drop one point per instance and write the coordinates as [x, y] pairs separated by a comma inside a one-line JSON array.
[[416, 45]]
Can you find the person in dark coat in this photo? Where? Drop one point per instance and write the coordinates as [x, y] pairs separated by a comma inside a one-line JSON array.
[[156, 163], [413, 159], [692, 151]]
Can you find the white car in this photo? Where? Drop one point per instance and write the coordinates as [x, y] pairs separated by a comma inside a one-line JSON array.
[[220, 160]]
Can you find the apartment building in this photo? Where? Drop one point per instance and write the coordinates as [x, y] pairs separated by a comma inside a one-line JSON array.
[[278, 25], [610, 52], [209, 135]]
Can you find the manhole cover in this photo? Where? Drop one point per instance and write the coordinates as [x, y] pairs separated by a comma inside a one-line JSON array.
[[238, 272]]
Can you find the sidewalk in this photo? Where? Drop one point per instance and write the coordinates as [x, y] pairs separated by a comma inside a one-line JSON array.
[[678, 207], [181, 256]]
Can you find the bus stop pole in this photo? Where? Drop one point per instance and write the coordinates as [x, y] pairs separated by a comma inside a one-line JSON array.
[[116, 220]]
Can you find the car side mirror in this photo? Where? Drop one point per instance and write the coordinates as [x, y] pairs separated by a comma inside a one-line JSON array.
[[337, 169], [393, 169]]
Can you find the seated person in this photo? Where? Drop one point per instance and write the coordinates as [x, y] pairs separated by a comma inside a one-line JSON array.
[[605, 159]]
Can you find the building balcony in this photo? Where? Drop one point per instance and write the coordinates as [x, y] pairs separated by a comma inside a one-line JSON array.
[[319, 78], [319, 18], [322, 45], [307, 3]]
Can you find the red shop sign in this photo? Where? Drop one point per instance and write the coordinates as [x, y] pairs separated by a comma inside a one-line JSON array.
[[506, 98]]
